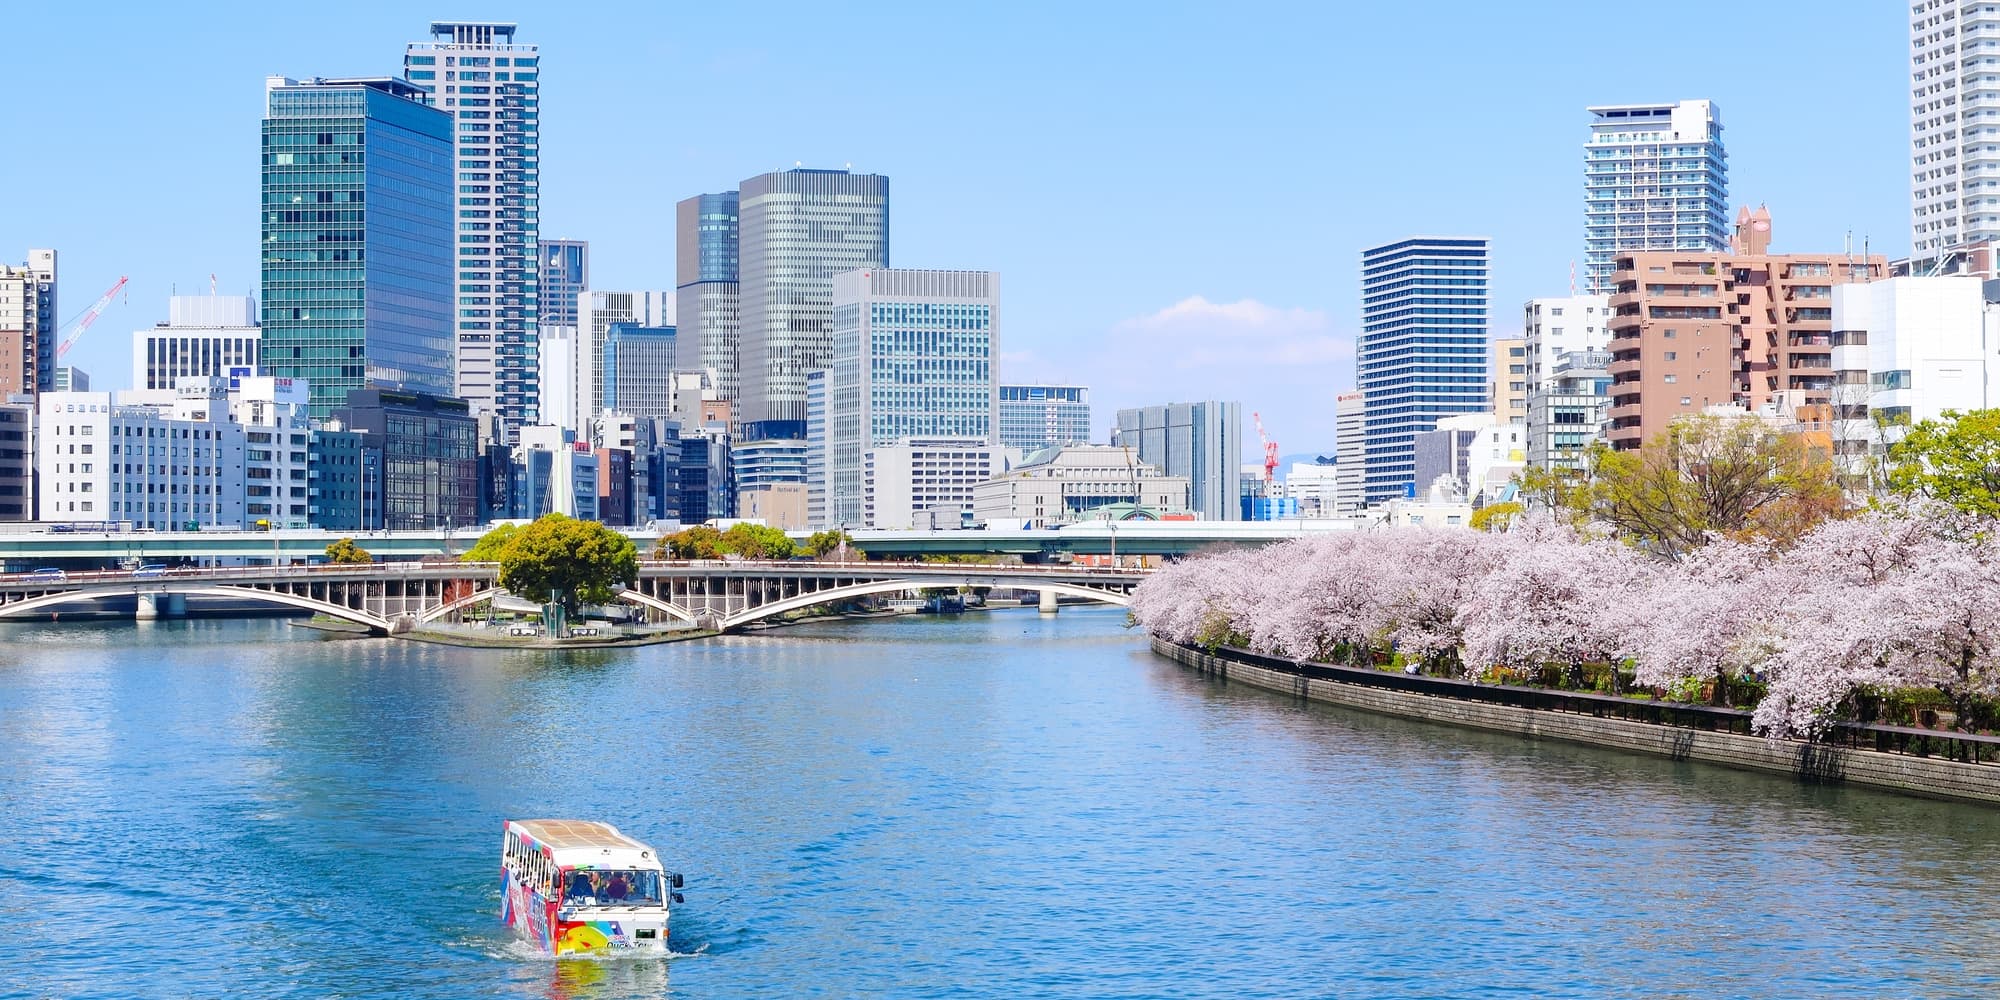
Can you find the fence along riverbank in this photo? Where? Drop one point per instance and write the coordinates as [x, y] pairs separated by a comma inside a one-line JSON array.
[[1958, 766]]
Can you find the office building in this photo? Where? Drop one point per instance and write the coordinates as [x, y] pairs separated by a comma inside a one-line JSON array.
[[70, 378], [205, 336], [1655, 177], [1566, 409], [925, 483], [490, 86], [1744, 328], [782, 507], [430, 457], [1201, 442], [1033, 417], [637, 369], [357, 230], [1421, 355], [1908, 349], [595, 313], [565, 276], [1063, 485], [1955, 166], [1555, 326], [1350, 414], [190, 475], [344, 479], [1470, 454], [28, 325], [554, 473], [913, 357], [560, 383], [758, 465], [798, 229], [824, 508], [1313, 486], [17, 459], [1509, 386], [704, 474], [707, 282]]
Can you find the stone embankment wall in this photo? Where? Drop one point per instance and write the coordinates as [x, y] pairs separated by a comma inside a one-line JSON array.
[[1925, 776]]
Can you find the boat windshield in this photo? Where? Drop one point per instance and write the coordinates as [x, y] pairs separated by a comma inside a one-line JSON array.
[[612, 888]]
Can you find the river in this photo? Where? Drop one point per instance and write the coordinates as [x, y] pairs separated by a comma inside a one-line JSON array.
[[997, 804]]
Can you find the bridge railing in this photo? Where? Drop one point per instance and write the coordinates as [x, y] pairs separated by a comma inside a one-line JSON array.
[[391, 569]]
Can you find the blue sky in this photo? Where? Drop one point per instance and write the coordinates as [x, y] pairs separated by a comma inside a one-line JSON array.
[[1175, 195]]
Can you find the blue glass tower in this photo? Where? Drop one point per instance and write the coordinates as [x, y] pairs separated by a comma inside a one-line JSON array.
[[357, 252], [707, 270], [1422, 350]]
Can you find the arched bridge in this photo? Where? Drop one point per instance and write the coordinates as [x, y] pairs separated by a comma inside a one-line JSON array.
[[397, 597]]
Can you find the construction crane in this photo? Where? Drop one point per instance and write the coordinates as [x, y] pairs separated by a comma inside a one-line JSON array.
[[88, 317], [1270, 447]]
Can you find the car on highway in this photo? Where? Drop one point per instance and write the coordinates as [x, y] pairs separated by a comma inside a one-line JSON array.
[[149, 571]]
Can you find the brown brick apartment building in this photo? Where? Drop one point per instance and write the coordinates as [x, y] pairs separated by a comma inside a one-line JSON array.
[[1696, 329]]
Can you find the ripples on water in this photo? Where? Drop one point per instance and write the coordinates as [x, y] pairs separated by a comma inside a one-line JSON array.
[[993, 805]]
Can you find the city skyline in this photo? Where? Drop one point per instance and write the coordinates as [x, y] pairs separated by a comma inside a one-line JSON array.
[[1253, 305]]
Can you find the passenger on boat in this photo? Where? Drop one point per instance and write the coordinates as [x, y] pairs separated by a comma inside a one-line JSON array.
[[617, 887]]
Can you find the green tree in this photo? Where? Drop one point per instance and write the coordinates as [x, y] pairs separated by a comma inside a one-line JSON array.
[[491, 544], [756, 541], [697, 542], [1953, 460], [346, 553], [1733, 476], [578, 562], [1495, 516], [824, 543]]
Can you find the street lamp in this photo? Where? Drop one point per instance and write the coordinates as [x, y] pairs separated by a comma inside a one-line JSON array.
[[840, 519], [1112, 526]]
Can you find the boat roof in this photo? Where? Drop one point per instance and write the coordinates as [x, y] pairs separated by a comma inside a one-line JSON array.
[[572, 834]]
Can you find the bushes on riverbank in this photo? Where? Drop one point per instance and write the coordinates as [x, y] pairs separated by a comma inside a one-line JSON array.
[[1843, 623]]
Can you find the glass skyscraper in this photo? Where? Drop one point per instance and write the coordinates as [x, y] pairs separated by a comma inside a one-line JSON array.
[[1655, 177], [638, 369], [492, 89], [1422, 353], [356, 221], [565, 275], [1033, 417], [799, 229], [708, 300], [913, 357]]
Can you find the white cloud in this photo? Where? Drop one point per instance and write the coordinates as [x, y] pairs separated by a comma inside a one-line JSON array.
[[1285, 362], [1196, 333]]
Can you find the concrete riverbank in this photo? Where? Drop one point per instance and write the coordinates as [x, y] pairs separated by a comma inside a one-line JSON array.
[[1911, 774]]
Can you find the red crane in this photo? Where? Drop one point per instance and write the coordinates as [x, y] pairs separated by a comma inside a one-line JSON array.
[[89, 316], [1270, 447]]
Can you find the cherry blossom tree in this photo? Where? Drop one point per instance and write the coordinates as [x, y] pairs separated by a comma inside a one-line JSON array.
[[1552, 597], [1709, 617]]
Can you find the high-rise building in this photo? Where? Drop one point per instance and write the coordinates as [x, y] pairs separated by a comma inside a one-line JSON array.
[[638, 369], [1553, 327], [925, 482], [913, 356], [1421, 355], [707, 282], [595, 312], [565, 275], [1201, 441], [28, 325], [1033, 417], [1350, 424], [1509, 386], [491, 87], [1746, 328], [429, 448], [1955, 166], [70, 378], [799, 228], [357, 229], [1907, 350], [1655, 177], [205, 336]]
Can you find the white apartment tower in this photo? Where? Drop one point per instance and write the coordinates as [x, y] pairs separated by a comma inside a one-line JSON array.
[[1954, 128], [1654, 178], [1553, 327], [492, 89]]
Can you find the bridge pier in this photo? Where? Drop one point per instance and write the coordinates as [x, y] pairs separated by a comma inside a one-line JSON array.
[[1047, 605], [148, 607]]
